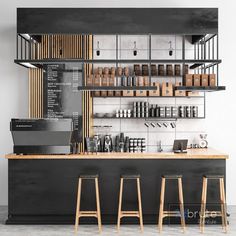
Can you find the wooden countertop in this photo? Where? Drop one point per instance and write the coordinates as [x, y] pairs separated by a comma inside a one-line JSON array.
[[208, 153]]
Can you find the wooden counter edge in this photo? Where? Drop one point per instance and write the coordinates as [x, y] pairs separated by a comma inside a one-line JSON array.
[[192, 154]]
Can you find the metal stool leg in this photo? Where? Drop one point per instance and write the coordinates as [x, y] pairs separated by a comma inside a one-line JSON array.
[[140, 205], [181, 202], [78, 205], [161, 209], [120, 203]]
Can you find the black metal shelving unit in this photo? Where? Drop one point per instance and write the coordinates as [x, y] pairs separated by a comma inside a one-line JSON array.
[[205, 60], [116, 88], [133, 97], [201, 88]]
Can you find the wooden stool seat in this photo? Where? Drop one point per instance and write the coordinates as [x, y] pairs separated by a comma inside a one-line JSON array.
[[205, 214], [138, 213], [213, 176], [172, 176], [79, 213], [162, 212], [130, 176], [90, 176]]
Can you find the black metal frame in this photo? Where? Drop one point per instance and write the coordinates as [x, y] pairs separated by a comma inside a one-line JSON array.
[[199, 63]]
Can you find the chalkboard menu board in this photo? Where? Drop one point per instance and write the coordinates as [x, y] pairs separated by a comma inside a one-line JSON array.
[[61, 96]]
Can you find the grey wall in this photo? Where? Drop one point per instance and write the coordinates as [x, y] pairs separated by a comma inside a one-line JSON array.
[[221, 108]]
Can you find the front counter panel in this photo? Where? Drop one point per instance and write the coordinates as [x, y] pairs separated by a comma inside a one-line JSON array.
[[44, 191]]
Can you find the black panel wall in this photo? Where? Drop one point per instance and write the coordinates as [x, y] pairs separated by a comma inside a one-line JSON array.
[[117, 20]]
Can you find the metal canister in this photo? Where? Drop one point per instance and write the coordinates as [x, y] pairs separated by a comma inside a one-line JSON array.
[[181, 111], [195, 111], [162, 112], [187, 111], [174, 112]]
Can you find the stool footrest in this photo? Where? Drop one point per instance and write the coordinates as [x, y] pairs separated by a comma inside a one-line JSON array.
[[211, 213], [171, 213], [130, 214], [88, 214]]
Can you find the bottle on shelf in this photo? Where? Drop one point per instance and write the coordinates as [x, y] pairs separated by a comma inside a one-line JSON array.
[[123, 80], [134, 80], [157, 113]]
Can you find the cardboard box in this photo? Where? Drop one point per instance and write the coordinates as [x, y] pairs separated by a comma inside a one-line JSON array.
[[103, 93], [146, 80], [193, 94], [128, 93], [117, 93], [188, 80], [196, 80], [89, 80], [110, 93], [96, 94], [167, 89], [179, 93], [212, 80], [204, 80], [145, 70], [155, 93], [141, 93]]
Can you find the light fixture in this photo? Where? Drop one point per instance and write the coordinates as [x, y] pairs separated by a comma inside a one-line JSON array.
[[98, 49], [170, 49], [27, 64], [135, 51]]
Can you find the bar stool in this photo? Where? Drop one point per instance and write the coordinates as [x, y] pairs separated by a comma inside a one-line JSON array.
[[130, 213], [162, 213], [80, 213], [203, 213]]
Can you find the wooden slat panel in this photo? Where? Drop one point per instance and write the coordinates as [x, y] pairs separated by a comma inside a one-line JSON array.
[[70, 46], [35, 93]]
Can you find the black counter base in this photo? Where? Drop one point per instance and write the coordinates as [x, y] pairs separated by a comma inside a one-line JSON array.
[[44, 191]]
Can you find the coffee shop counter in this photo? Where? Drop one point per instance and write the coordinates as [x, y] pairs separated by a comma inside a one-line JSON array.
[[205, 153], [42, 188]]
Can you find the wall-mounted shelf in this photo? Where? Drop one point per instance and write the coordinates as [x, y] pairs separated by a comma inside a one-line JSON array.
[[27, 63], [148, 118], [201, 88], [148, 97], [115, 88]]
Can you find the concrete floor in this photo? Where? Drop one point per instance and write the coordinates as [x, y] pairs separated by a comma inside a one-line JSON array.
[[109, 230]]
